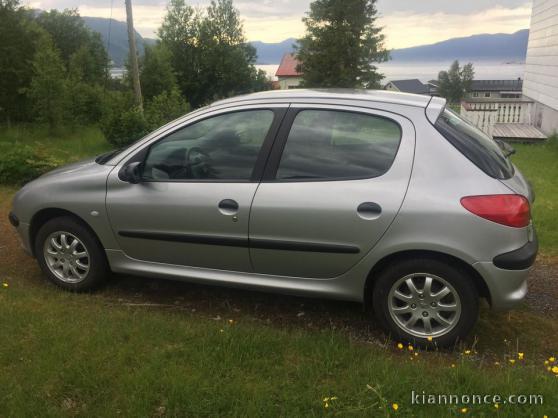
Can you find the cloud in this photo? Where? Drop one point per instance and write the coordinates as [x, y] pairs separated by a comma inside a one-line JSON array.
[[404, 29], [406, 22]]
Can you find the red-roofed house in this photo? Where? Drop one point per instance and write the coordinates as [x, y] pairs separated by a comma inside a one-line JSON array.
[[288, 76]]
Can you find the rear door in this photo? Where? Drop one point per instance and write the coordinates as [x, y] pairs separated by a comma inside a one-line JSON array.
[[334, 182]]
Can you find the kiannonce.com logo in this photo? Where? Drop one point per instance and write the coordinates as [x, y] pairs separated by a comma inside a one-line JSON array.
[[425, 398]]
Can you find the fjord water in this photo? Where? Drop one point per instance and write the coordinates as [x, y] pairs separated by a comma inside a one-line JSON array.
[[424, 71]]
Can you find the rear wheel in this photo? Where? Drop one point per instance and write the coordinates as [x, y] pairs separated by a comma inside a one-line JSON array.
[[426, 302], [70, 255]]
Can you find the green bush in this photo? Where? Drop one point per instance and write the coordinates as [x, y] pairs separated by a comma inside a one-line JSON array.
[[165, 107], [123, 123], [124, 127], [21, 163]]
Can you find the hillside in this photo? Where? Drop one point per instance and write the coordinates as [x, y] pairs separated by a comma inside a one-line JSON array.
[[500, 46], [271, 53], [118, 49], [477, 47]]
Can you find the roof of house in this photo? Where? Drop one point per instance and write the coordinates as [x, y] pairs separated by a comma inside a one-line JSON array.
[[497, 85], [288, 65], [410, 86]]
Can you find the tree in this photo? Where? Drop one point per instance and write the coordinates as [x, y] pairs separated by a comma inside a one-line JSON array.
[[210, 55], [156, 73], [179, 33], [19, 35], [341, 44], [78, 45], [48, 85], [454, 83]]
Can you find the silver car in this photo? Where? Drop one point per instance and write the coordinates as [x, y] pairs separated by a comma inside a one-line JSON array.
[[388, 199]]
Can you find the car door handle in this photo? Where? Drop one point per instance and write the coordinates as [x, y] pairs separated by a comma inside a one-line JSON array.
[[228, 206], [369, 210]]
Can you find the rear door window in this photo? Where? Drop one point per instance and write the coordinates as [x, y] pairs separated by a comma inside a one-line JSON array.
[[474, 144], [337, 145]]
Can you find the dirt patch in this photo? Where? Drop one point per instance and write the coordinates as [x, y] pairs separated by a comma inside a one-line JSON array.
[[543, 287]]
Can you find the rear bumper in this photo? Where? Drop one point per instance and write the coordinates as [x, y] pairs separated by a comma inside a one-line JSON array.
[[519, 259], [507, 288]]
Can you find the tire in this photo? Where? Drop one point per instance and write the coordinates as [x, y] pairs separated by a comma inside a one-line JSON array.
[[62, 264], [396, 312]]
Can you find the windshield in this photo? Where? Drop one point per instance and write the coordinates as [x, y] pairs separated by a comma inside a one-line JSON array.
[[477, 146]]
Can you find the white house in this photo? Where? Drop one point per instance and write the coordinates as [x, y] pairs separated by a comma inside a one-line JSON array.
[[541, 70]]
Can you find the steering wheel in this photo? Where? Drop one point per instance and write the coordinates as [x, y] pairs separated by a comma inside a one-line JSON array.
[[198, 162]]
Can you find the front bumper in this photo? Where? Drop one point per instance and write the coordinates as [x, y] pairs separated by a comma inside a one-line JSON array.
[[22, 229]]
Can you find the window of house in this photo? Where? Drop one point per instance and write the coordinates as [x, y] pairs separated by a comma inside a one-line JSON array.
[[223, 147], [331, 144]]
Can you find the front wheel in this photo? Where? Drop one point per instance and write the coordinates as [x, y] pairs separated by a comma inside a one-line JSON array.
[[70, 255], [426, 301]]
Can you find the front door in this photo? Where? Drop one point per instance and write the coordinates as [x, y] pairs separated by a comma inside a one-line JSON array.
[[334, 183], [192, 206]]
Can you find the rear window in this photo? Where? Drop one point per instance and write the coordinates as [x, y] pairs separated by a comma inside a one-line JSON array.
[[478, 147], [337, 145]]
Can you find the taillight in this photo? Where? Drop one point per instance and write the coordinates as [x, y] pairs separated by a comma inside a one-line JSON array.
[[506, 209]]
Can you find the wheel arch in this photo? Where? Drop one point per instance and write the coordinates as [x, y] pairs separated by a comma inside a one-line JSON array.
[[45, 215], [476, 277]]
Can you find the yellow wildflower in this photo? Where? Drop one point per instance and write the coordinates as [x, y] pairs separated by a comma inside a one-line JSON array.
[[546, 362], [5, 284], [453, 366], [555, 370], [520, 356], [400, 346], [429, 338], [467, 352], [496, 405], [395, 406], [410, 347], [512, 361], [552, 359], [464, 410], [416, 354]]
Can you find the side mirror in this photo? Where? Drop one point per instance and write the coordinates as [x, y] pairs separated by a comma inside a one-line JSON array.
[[131, 173]]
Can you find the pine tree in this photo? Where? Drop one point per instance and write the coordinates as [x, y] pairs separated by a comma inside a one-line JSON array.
[[341, 45]]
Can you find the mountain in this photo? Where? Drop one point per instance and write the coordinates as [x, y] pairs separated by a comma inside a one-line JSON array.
[[273, 52], [118, 48], [477, 47], [499, 46]]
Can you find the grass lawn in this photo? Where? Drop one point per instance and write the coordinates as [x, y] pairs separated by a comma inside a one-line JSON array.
[[539, 163], [142, 347], [67, 145]]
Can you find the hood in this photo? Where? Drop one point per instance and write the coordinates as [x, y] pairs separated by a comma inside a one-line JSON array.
[[71, 168]]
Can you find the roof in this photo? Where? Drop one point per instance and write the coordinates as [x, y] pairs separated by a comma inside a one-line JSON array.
[[497, 85], [383, 96], [413, 85], [288, 65]]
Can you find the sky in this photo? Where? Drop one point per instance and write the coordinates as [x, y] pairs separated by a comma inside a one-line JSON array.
[[406, 23]]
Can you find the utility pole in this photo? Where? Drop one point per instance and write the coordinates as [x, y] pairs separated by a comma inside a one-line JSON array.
[[133, 54]]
